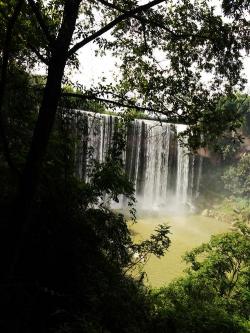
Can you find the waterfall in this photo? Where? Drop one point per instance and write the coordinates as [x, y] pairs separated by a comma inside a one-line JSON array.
[[151, 174], [157, 164], [182, 170]]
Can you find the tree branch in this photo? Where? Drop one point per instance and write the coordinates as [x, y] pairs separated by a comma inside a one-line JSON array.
[[32, 170], [40, 20], [175, 34], [125, 104], [34, 50], [112, 24], [139, 18], [38, 54]]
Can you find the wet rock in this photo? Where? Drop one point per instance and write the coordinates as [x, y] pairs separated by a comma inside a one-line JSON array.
[[205, 212], [208, 213]]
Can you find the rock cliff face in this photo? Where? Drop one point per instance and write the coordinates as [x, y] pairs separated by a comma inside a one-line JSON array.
[[215, 158]]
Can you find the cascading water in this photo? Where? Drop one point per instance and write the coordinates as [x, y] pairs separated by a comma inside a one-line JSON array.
[[182, 170], [157, 164], [156, 167]]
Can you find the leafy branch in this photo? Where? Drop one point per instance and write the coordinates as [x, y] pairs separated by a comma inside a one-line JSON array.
[[157, 245]]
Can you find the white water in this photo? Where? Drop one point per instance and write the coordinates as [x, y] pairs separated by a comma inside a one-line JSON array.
[[157, 164]]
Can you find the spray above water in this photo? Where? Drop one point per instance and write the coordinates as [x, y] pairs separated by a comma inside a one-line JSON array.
[[161, 169]]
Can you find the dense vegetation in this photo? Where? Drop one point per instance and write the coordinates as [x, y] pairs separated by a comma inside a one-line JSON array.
[[237, 178], [66, 257], [214, 294]]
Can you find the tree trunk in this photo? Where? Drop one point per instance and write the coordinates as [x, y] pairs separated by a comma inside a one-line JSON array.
[[3, 82], [44, 125]]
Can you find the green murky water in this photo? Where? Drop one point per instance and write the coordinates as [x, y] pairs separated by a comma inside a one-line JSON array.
[[187, 232]]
